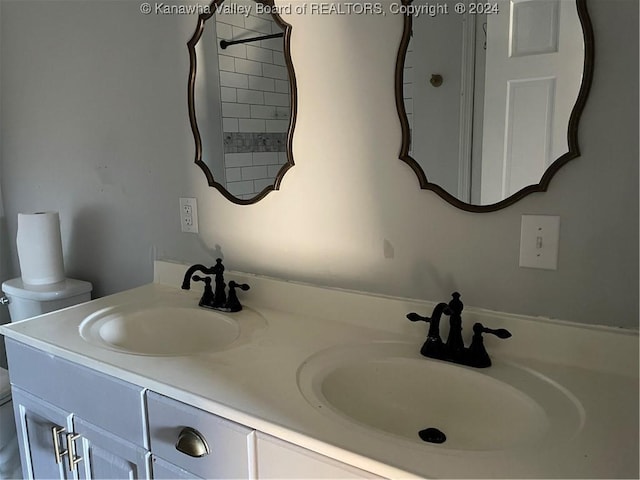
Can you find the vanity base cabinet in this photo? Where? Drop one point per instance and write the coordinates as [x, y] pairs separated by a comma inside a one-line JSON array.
[[278, 459], [98, 419], [113, 429]]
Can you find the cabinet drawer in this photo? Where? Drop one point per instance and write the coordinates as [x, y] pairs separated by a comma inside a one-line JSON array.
[[163, 470], [231, 446], [102, 400], [277, 459]]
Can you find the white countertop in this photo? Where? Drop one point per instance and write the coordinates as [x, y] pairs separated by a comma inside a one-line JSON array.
[[254, 381]]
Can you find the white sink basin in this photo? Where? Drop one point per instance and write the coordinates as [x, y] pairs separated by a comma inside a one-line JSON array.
[[160, 330], [390, 388]]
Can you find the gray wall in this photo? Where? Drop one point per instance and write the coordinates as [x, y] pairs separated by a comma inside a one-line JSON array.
[[94, 124], [96, 127]]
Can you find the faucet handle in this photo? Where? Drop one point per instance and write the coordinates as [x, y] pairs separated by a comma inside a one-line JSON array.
[[233, 304], [500, 332], [206, 280], [477, 355], [441, 308], [242, 286], [414, 317], [207, 296]]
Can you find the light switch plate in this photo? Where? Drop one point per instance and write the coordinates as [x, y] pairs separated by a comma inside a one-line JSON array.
[[539, 238]]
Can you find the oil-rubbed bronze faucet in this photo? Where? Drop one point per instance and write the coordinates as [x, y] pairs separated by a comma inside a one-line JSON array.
[[218, 299], [454, 350]]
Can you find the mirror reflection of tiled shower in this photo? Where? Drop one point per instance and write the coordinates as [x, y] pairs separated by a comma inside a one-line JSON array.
[[254, 90]]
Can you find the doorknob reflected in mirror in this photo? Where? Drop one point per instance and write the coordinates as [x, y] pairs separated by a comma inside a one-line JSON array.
[[436, 80]]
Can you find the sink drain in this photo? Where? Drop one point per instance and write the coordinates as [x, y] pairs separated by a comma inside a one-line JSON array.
[[432, 435]]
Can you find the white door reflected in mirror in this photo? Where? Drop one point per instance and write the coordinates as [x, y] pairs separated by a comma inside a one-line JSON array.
[[511, 78], [533, 73]]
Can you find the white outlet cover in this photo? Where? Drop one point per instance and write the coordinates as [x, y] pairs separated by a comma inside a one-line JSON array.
[[189, 215], [539, 239]]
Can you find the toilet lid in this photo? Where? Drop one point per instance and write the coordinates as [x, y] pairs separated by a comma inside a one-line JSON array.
[[5, 386], [67, 288]]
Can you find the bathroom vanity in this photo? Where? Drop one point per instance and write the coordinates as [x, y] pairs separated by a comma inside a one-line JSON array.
[[312, 382], [97, 425]]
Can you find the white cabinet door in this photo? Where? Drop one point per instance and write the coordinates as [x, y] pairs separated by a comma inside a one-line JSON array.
[[35, 421], [279, 459], [106, 456], [102, 410]]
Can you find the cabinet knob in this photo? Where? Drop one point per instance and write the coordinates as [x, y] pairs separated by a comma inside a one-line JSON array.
[[192, 443]]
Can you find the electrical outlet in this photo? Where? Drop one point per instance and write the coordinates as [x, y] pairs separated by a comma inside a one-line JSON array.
[[189, 215], [539, 238]]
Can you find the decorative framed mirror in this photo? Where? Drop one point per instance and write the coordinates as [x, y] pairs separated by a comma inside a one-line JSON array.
[[242, 98], [490, 95]]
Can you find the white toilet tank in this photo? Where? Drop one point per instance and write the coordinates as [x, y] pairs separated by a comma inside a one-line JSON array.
[[27, 301]]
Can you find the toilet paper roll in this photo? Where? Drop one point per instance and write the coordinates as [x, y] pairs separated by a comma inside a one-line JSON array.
[[40, 248]]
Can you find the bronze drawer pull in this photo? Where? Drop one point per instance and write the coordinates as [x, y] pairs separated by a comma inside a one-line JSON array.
[[192, 443]]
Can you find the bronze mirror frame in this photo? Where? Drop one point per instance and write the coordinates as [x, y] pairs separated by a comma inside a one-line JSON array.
[[191, 45], [572, 131]]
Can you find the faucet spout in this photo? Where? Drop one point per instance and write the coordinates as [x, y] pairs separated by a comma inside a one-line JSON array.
[[433, 346], [186, 282]]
